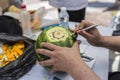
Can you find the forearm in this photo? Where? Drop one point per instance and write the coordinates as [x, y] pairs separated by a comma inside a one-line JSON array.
[[111, 42], [82, 72]]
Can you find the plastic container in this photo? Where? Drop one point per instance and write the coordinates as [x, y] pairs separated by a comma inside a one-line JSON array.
[[38, 15], [63, 17], [25, 21]]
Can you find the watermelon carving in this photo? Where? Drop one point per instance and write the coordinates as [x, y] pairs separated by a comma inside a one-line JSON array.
[[56, 35]]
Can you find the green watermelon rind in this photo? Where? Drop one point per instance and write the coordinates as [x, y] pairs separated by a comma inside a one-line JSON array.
[[42, 38]]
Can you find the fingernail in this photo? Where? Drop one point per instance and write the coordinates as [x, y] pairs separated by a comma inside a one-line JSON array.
[[79, 41], [42, 43], [38, 50]]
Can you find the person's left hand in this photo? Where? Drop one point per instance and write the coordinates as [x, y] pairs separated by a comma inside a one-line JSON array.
[[62, 58]]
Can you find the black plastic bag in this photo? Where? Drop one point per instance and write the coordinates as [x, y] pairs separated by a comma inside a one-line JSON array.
[[19, 67], [10, 25]]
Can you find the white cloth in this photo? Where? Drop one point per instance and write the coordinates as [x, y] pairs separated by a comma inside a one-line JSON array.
[[69, 4]]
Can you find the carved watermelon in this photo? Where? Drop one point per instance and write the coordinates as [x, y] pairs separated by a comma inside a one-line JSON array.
[[56, 35]]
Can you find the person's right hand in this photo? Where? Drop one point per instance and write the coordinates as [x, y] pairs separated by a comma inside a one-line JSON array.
[[93, 36]]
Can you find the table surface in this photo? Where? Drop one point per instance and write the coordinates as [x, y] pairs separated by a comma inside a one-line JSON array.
[[100, 65]]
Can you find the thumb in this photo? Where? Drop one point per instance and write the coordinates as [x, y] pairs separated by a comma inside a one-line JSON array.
[[76, 44]]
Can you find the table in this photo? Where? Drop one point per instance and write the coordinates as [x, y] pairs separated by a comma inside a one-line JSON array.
[[100, 66]]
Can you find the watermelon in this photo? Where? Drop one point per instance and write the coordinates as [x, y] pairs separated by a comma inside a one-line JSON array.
[[57, 35]]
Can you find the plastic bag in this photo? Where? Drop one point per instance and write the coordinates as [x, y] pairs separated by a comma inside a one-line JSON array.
[[10, 25], [17, 68]]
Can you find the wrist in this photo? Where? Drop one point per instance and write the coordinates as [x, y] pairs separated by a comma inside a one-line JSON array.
[[81, 71], [102, 41], [75, 67]]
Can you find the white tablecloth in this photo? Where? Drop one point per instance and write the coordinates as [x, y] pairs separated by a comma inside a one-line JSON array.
[[99, 65]]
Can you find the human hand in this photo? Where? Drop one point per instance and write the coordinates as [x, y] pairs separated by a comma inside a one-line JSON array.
[[61, 58], [92, 35]]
